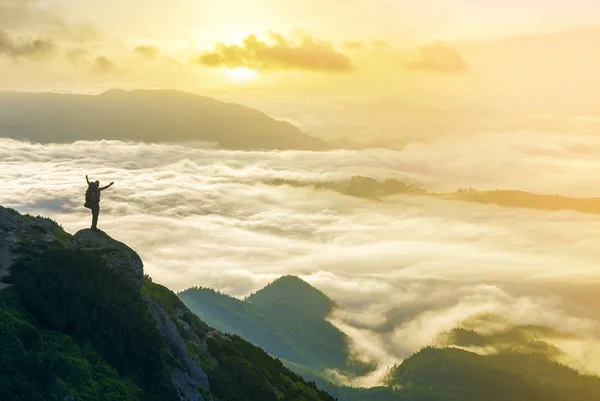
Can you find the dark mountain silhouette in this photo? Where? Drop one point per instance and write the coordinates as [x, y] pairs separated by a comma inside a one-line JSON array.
[[286, 318], [148, 116], [80, 321]]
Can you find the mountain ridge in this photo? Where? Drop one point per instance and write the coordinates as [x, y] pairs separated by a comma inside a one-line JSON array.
[[82, 305], [276, 320], [146, 116], [372, 189], [74, 304], [522, 366], [295, 291]]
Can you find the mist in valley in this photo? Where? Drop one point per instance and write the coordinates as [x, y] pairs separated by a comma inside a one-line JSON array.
[[403, 270]]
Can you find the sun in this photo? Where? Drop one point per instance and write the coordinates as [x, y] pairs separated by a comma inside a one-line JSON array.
[[240, 74]]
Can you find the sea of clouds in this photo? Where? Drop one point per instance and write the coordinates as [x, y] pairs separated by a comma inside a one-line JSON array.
[[401, 270]]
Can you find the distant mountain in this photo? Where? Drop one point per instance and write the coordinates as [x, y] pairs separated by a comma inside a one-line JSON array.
[[370, 188], [293, 292], [521, 366], [455, 374], [527, 200], [358, 186], [286, 318], [148, 116]]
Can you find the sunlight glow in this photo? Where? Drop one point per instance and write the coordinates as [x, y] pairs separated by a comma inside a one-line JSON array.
[[241, 74]]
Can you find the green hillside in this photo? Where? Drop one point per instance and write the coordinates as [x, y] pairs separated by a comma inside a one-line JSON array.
[[81, 323], [286, 318], [522, 369], [294, 292], [455, 374], [75, 327]]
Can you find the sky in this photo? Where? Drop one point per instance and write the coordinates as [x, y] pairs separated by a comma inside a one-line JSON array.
[[388, 69]]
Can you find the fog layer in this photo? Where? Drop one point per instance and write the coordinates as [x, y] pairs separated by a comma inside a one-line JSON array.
[[402, 270]]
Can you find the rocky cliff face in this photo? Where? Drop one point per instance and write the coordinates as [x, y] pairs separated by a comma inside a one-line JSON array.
[[29, 235], [6, 258], [114, 336], [116, 255], [190, 376], [25, 234]]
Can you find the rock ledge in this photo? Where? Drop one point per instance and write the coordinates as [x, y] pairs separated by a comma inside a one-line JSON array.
[[115, 254]]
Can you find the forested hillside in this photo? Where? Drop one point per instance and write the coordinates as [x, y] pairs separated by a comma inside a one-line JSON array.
[[75, 325], [523, 368]]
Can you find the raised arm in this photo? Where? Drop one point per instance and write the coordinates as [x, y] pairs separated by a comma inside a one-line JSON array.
[[108, 186]]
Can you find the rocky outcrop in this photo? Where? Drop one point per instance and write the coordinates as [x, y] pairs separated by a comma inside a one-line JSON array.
[[188, 376], [25, 234], [192, 376], [116, 255], [6, 259], [21, 234]]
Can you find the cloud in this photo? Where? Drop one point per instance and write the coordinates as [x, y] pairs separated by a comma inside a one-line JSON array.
[[104, 65], [31, 49], [308, 54], [150, 52], [354, 45], [381, 45], [426, 313], [438, 58], [359, 46], [402, 270], [490, 334], [78, 57], [19, 13], [30, 16], [85, 59]]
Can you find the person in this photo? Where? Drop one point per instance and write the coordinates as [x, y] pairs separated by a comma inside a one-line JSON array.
[[92, 199]]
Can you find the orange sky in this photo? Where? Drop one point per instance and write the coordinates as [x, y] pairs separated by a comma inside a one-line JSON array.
[[362, 58]]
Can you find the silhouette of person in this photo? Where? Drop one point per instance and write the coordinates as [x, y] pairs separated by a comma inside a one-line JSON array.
[[94, 200]]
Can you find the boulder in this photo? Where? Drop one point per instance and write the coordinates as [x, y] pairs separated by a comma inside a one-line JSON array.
[[116, 255], [24, 234]]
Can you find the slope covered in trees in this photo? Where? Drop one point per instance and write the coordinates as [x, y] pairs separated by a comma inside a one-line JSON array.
[[72, 327], [287, 318], [455, 374], [523, 366]]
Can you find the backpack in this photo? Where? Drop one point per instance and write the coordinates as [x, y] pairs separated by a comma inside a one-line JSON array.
[[91, 196]]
